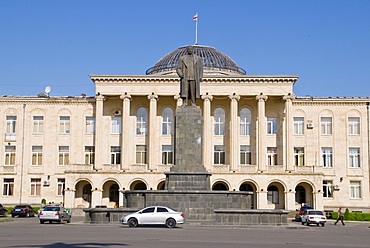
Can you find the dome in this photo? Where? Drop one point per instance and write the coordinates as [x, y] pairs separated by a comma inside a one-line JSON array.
[[214, 62]]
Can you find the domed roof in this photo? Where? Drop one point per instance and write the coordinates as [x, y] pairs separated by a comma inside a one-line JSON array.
[[214, 62]]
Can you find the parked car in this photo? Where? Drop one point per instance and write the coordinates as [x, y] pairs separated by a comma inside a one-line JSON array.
[[23, 210], [298, 216], [3, 211], [313, 216], [53, 213], [154, 215]]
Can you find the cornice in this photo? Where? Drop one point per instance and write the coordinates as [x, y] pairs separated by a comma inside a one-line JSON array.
[[328, 102], [19, 100]]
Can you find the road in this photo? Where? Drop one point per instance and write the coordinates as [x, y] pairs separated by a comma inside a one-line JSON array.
[[27, 232]]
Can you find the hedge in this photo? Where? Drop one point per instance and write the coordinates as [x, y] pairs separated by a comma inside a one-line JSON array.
[[355, 216]]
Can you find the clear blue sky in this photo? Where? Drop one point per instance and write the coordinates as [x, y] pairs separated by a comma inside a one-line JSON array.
[[59, 43]]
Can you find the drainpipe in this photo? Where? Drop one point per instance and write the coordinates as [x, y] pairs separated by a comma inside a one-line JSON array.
[[22, 154]]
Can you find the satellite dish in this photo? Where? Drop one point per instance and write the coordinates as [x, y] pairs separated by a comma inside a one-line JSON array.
[[47, 89]]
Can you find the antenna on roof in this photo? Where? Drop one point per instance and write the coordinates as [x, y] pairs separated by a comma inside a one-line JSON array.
[[195, 18]]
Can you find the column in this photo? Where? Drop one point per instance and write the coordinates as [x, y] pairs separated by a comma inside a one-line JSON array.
[[234, 132], [69, 198], [99, 133], [96, 197], [290, 200], [207, 132], [261, 134], [288, 133], [153, 151], [126, 141], [178, 100], [262, 199]]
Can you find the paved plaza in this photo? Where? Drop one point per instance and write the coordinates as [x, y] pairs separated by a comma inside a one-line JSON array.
[[27, 232]]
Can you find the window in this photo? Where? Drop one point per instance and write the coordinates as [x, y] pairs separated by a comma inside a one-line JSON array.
[[60, 186], [11, 122], [354, 157], [89, 154], [167, 155], [326, 157], [36, 155], [90, 125], [167, 121], [353, 125], [326, 125], [141, 121], [35, 186], [298, 124], [115, 155], [273, 195], [116, 125], [271, 125], [298, 156], [63, 155], [328, 188], [64, 124], [245, 122], [355, 188], [271, 156], [8, 186], [9, 155], [219, 116], [245, 155], [219, 154], [141, 154], [38, 125]]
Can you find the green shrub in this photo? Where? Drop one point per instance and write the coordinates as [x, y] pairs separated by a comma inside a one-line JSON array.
[[352, 216], [346, 214]]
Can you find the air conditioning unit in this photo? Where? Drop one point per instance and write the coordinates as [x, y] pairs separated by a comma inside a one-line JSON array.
[[336, 187], [46, 183], [118, 112], [309, 125]]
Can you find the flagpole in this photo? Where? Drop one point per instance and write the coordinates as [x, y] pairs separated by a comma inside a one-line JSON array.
[[196, 29]]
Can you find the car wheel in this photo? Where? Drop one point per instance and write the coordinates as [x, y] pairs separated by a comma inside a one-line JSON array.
[[170, 223], [302, 223], [322, 224], [13, 215], [27, 215], [69, 220], [307, 224], [317, 224], [41, 222], [132, 222], [50, 221]]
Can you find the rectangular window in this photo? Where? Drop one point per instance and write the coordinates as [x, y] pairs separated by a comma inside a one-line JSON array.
[[90, 125], [327, 157], [141, 154], [115, 155], [245, 127], [36, 155], [354, 125], [63, 155], [64, 124], [89, 154], [354, 157], [328, 188], [167, 155], [38, 125], [219, 154], [326, 125], [219, 126], [116, 125], [8, 186], [11, 122], [271, 125], [299, 156], [9, 155], [271, 156], [35, 186], [355, 189], [298, 124], [60, 186], [273, 197], [245, 155]]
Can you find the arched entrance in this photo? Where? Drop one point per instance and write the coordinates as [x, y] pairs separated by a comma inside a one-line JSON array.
[[161, 185], [220, 186], [138, 185], [247, 186], [276, 195], [304, 194], [110, 194], [83, 194]]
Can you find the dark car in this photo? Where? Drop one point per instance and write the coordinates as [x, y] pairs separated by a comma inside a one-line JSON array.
[[298, 216], [3, 211], [23, 210]]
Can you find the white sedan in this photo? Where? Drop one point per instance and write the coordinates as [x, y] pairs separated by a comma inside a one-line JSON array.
[[53, 213], [154, 215], [312, 216]]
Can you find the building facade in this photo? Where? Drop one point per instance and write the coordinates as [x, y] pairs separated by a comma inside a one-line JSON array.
[[257, 136]]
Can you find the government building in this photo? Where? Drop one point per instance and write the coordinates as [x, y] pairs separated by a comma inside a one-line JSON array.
[[258, 136]]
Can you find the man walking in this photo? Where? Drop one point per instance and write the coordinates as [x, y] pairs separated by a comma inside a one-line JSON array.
[[340, 217]]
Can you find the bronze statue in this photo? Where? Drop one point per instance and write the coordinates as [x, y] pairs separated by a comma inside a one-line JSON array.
[[190, 70]]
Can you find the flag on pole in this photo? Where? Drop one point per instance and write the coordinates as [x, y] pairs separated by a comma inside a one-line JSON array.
[[195, 17]]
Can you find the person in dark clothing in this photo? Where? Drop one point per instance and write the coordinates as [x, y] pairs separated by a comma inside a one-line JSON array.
[[340, 217]]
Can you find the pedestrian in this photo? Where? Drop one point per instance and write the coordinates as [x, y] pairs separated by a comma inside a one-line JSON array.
[[340, 217]]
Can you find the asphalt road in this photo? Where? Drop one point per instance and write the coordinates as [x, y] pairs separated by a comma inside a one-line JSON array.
[[27, 232]]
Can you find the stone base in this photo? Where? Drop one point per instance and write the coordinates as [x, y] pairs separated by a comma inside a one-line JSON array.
[[188, 180]]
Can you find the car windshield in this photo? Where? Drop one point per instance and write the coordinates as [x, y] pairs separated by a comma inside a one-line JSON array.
[[315, 212], [52, 209]]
